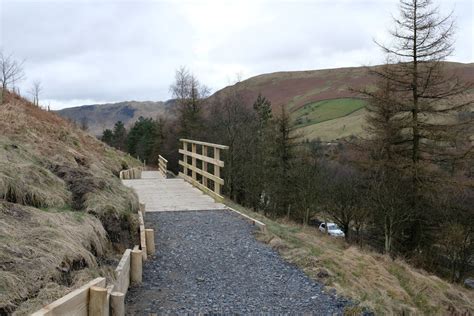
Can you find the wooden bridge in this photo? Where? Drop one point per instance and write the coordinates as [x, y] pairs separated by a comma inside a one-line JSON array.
[[160, 194], [198, 186]]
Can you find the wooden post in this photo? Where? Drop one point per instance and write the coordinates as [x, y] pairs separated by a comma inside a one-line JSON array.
[[117, 304], [193, 161], [142, 236], [150, 241], [142, 209], [204, 165], [136, 269], [217, 170], [98, 301], [185, 158]]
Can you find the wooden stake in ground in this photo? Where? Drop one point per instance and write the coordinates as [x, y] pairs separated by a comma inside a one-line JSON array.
[[136, 267], [150, 241], [117, 304], [97, 301]]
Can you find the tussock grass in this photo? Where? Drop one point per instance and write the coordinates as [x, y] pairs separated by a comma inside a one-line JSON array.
[[385, 286], [38, 248], [29, 184], [61, 203]]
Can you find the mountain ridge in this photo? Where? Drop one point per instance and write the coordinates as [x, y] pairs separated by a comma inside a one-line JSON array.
[[294, 90]]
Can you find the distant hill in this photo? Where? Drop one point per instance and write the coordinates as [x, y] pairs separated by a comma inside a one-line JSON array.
[[320, 102], [101, 116]]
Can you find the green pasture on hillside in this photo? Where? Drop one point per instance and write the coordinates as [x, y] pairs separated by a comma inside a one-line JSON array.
[[320, 111]]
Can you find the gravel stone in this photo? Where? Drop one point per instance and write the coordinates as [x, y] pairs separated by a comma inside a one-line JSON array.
[[209, 262]]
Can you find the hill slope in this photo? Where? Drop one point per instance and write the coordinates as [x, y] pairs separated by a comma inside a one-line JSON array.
[[98, 117], [62, 206], [320, 102]]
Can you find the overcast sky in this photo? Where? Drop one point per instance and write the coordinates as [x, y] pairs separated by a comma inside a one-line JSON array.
[[98, 51]]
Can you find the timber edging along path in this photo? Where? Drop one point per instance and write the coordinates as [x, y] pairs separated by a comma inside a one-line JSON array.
[[260, 224], [96, 298]]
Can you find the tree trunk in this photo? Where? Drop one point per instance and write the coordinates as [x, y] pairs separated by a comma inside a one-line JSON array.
[[388, 235], [346, 230]]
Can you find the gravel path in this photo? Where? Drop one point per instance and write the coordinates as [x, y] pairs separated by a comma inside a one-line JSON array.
[[209, 262]]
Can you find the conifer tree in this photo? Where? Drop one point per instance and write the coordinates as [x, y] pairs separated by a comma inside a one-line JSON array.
[[424, 101]]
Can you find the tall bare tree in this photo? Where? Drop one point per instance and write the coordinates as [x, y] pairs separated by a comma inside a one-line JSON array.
[[230, 122], [423, 99], [427, 94], [35, 91], [11, 71], [189, 94]]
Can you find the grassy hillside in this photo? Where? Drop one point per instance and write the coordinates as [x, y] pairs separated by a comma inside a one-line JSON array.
[[63, 209], [101, 116], [321, 111], [338, 128], [321, 102], [381, 284]]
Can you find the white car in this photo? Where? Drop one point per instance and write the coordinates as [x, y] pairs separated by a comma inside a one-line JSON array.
[[333, 230]]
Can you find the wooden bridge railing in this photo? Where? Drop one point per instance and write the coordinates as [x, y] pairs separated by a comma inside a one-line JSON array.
[[202, 166], [162, 165]]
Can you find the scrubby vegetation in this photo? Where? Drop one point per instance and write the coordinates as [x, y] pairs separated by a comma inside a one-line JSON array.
[[380, 283], [63, 209]]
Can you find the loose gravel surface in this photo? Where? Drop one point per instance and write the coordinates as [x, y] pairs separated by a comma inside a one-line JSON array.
[[209, 262]]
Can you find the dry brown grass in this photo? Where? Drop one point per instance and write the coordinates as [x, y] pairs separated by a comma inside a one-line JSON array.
[[61, 202], [24, 182], [41, 247], [385, 286]]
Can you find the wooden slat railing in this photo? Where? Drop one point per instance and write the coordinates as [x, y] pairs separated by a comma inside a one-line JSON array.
[[162, 165], [198, 172], [134, 173]]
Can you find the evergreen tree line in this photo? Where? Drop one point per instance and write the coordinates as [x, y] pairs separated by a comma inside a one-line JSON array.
[[142, 140], [407, 190]]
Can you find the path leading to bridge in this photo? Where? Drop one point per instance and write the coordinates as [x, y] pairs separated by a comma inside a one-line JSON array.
[[160, 194], [208, 262]]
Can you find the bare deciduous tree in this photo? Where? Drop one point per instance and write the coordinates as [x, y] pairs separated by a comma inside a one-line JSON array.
[[189, 94], [343, 196], [35, 91], [11, 71]]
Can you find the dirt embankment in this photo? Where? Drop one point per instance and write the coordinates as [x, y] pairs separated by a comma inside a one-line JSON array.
[[63, 210]]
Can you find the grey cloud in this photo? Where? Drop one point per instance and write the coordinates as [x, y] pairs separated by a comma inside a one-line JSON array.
[[118, 50]]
